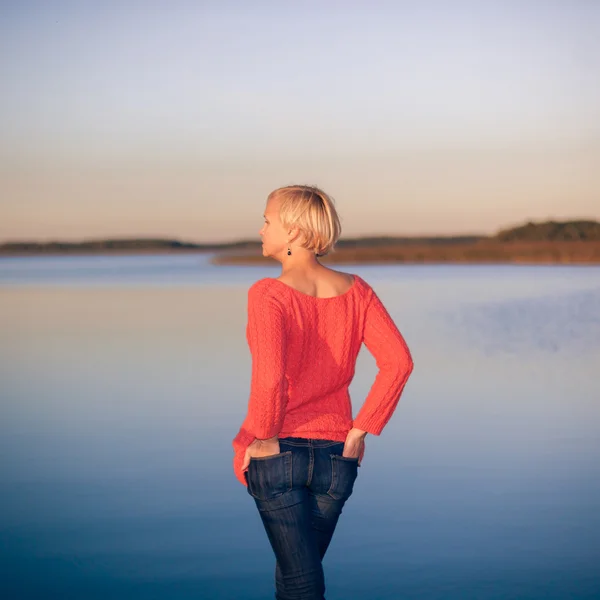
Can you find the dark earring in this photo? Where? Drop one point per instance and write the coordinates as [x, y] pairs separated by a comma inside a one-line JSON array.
[[289, 251]]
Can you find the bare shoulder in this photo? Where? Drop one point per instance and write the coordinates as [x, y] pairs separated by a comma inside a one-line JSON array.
[[350, 279], [341, 277], [330, 276], [327, 283], [338, 282]]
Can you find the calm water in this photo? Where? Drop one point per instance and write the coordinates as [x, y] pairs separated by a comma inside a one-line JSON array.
[[124, 379]]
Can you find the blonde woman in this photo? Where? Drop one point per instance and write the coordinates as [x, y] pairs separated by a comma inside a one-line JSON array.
[[299, 449]]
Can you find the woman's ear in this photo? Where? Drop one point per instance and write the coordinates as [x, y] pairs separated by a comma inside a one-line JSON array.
[[294, 234]]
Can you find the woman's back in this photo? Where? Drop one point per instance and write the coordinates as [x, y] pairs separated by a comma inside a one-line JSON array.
[[304, 351]]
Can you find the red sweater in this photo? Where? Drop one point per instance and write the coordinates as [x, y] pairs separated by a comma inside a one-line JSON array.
[[304, 352]]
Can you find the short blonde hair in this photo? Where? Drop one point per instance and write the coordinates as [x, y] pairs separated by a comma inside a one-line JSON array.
[[313, 212]]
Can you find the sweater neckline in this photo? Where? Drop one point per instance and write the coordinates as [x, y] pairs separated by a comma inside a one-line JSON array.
[[346, 293]]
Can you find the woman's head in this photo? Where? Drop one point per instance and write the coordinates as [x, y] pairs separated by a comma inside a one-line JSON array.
[[300, 217]]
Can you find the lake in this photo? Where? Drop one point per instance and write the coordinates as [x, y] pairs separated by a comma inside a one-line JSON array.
[[124, 380]]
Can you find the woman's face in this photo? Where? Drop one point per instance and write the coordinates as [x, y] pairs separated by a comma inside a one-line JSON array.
[[274, 237]]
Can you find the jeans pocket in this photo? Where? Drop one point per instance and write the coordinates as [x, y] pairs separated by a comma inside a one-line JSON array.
[[344, 471], [270, 476]]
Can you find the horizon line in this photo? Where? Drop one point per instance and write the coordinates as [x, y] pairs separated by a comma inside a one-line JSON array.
[[252, 240]]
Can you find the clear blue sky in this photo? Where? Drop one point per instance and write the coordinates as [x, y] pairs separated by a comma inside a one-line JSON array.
[[177, 118]]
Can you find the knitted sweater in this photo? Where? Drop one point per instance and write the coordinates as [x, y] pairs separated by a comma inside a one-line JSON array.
[[304, 351]]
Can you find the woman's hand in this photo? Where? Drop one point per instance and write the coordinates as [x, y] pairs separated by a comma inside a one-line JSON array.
[[261, 448], [354, 444]]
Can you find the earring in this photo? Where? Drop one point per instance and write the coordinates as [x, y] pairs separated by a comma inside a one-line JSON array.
[[289, 251]]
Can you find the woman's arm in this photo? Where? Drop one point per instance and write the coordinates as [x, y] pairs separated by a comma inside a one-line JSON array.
[[386, 344], [268, 387]]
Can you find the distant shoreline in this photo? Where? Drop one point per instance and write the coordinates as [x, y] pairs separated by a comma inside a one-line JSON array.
[[570, 242], [484, 251]]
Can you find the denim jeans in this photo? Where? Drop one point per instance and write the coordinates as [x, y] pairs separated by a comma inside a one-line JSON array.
[[299, 494]]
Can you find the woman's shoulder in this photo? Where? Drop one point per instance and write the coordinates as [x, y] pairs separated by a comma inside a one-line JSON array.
[[364, 288], [261, 288]]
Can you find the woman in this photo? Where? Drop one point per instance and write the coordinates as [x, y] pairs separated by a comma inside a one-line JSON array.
[[299, 449]]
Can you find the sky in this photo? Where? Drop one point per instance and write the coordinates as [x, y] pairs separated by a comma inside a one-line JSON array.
[[176, 119]]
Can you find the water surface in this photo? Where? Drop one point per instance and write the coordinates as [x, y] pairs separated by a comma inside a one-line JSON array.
[[124, 379]]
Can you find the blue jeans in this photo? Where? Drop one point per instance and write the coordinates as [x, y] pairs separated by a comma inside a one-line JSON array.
[[299, 494]]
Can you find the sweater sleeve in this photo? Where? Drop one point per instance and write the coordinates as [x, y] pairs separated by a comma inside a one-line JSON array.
[[392, 356], [267, 341]]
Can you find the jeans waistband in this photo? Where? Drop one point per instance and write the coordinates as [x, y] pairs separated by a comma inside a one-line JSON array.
[[315, 443]]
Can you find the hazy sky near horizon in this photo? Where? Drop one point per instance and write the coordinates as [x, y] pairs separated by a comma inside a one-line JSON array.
[[176, 119]]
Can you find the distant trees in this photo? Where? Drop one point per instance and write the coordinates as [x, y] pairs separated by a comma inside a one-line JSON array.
[[552, 231]]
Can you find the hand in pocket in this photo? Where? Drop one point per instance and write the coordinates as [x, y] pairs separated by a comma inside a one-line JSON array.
[[354, 445], [260, 449]]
